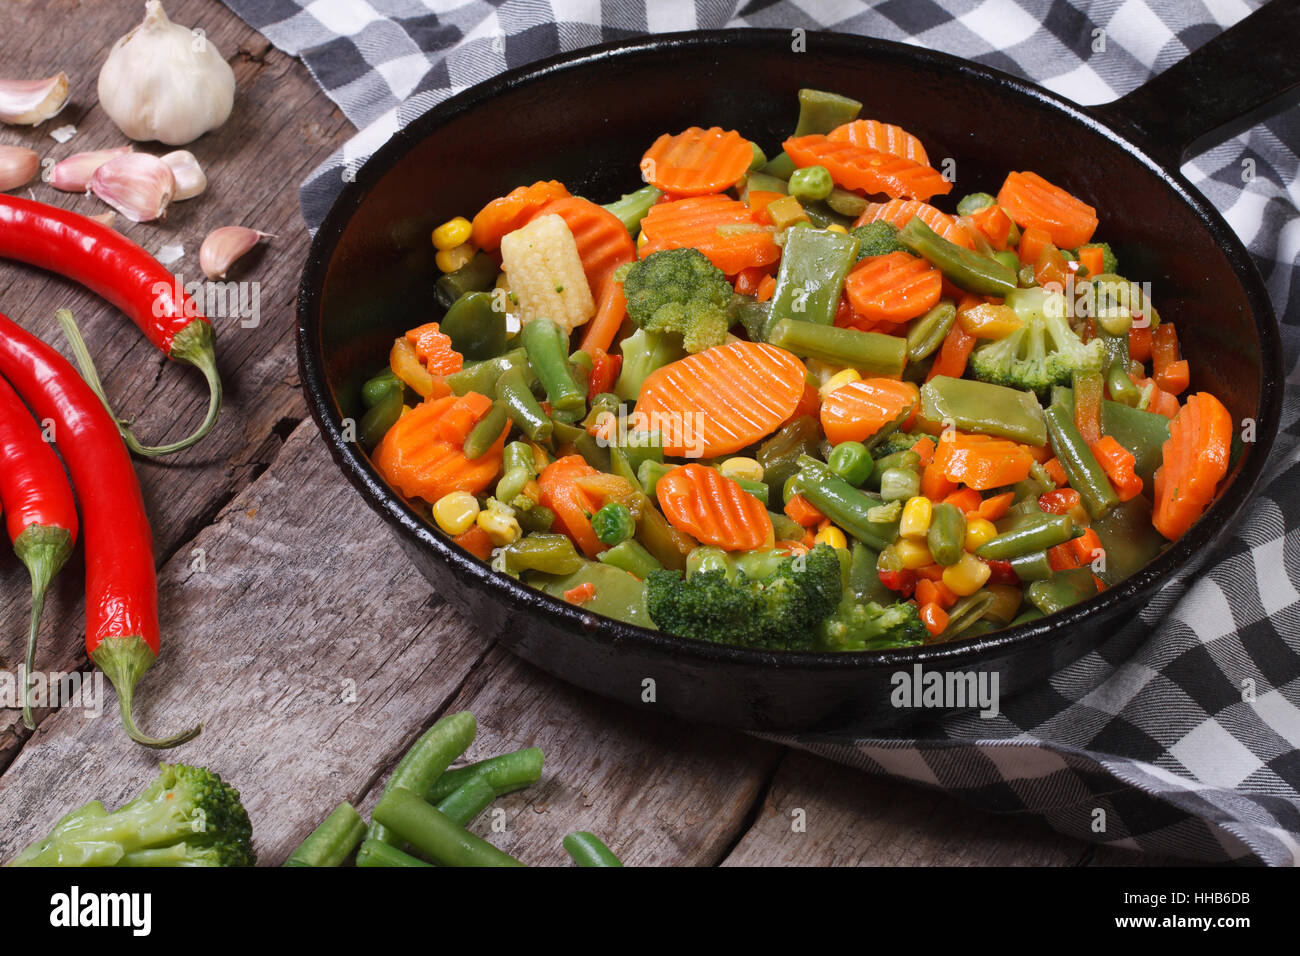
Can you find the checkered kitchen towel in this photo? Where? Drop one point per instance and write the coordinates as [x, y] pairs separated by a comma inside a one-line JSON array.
[[1152, 729]]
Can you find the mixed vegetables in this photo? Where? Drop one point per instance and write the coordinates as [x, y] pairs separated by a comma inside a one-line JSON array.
[[792, 405]]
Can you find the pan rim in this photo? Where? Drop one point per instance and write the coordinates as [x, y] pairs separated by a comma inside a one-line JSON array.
[[1167, 569]]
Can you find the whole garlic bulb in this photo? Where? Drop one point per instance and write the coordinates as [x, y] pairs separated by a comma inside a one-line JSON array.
[[165, 82]]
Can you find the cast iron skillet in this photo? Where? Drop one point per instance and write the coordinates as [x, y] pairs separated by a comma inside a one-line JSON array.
[[585, 118]]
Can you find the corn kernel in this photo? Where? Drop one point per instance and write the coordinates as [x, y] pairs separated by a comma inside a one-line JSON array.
[[455, 512], [966, 576], [449, 260], [501, 526], [836, 227], [915, 522], [833, 536], [978, 531], [452, 233], [741, 468], [839, 380], [641, 240], [913, 554]]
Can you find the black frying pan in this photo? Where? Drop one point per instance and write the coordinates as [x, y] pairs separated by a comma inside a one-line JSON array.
[[585, 118]]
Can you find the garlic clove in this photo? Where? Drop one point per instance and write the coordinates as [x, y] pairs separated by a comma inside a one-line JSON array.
[[73, 175], [137, 185], [224, 246], [28, 102], [18, 165], [105, 218], [190, 180]]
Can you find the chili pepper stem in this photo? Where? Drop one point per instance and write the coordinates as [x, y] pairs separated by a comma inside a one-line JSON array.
[[43, 549], [124, 661], [194, 344]]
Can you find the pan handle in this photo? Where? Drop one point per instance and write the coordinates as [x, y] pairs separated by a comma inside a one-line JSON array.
[[1246, 73]]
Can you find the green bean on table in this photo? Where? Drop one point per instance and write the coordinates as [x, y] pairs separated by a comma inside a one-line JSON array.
[[407, 816], [331, 842], [505, 773], [428, 757], [467, 801], [587, 850], [376, 853]]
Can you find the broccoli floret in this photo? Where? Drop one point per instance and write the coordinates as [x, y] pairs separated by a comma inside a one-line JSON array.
[[871, 626], [1044, 352], [895, 441], [779, 611], [643, 353], [1109, 263], [877, 238], [187, 817], [680, 290]]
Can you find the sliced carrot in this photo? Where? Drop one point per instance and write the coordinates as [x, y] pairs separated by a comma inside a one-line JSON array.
[[924, 448], [1085, 548], [996, 506], [573, 507], [993, 224], [476, 541], [893, 287], [1032, 242], [421, 454], [934, 618], [611, 308], [434, 348], [1032, 202], [868, 170], [722, 399], [981, 462], [1118, 463], [802, 512], [511, 211], [965, 500], [713, 509], [1090, 257], [766, 288], [1139, 344], [603, 241], [856, 411], [936, 485], [697, 162], [1169, 372], [899, 212], [1194, 461], [718, 226], [882, 137], [932, 591], [956, 349], [810, 402], [1056, 471], [581, 594], [1060, 501]]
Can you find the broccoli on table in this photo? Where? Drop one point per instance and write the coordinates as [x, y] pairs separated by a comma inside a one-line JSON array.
[[679, 290], [871, 626], [777, 611], [877, 238], [1043, 352], [187, 817]]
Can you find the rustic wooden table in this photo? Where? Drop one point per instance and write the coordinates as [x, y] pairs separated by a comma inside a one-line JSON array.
[[281, 593]]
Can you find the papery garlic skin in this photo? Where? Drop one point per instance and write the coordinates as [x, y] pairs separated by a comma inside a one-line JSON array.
[[224, 246], [73, 175], [137, 185], [18, 166], [165, 82], [190, 178], [30, 102]]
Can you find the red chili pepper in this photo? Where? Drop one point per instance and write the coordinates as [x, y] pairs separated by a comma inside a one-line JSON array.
[[40, 512], [904, 581], [1001, 572], [604, 372], [108, 263], [121, 587]]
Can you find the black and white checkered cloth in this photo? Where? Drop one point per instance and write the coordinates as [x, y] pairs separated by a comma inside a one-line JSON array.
[[1182, 734]]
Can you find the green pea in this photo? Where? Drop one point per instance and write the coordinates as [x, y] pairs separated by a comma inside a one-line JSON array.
[[852, 462], [812, 183], [613, 523]]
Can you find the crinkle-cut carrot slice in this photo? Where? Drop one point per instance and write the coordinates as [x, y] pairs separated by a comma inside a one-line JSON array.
[[856, 411], [721, 228], [899, 212], [1034, 203], [422, 459], [885, 137], [868, 170], [713, 509], [697, 162]]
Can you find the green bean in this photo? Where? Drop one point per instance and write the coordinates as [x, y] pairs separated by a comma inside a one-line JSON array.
[[1033, 533], [907, 460], [1142, 433], [433, 834], [583, 442], [1034, 566], [587, 850], [374, 853], [427, 759], [964, 267], [649, 474], [852, 461], [518, 468], [758, 489], [467, 801], [380, 417], [522, 406], [536, 519], [823, 216], [1080, 465], [984, 409], [1120, 386], [477, 275], [632, 557], [974, 202], [758, 181], [1027, 615], [864, 577], [785, 529], [605, 403], [1061, 590], [965, 613], [926, 334], [845, 505], [547, 348], [872, 353], [899, 484], [1127, 536], [779, 455], [1009, 260], [846, 203], [642, 446], [620, 465], [947, 533], [476, 329], [758, 158], [755, 316], [484, 435], [821, 112], [331, 842], [780, 166], [632, 207], [811, 278], [505, 773], [482, 377], [377, 388], [548, 553]]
